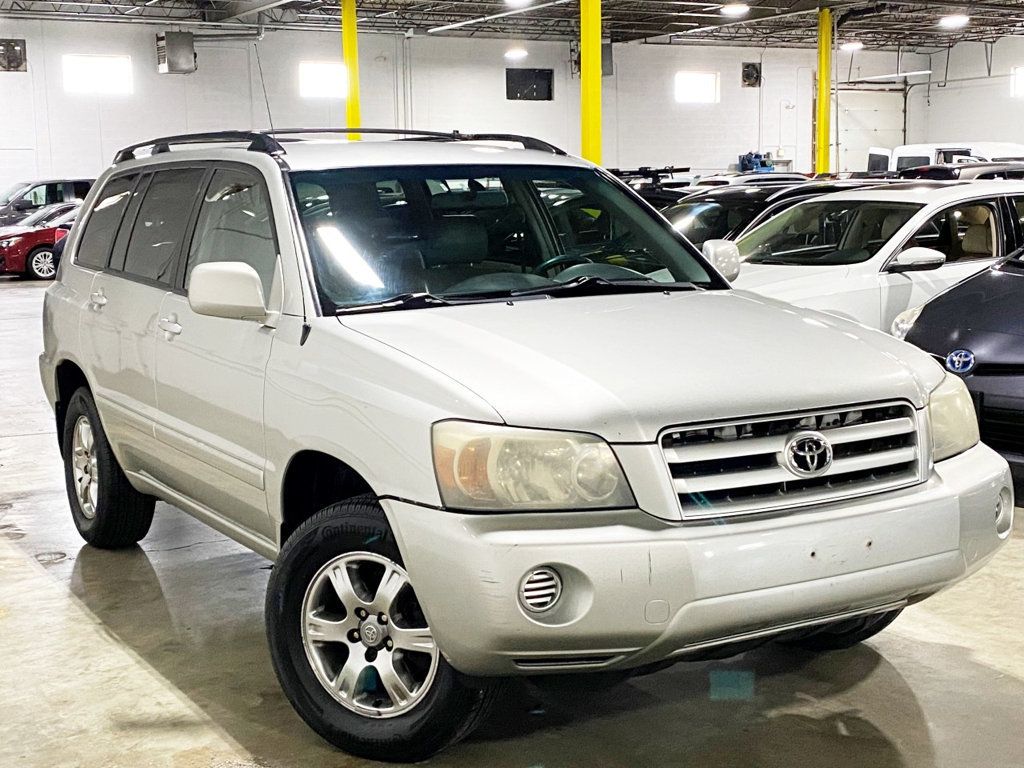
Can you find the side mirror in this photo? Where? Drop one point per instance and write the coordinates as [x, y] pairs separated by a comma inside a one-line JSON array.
[[724, 256], [917, 259], [23, 204], [227, 289]]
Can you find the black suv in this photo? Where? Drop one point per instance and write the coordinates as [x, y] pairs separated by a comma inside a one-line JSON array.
[[22, 199]]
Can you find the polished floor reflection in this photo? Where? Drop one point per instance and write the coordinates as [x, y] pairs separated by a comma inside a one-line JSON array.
[[155, 656]]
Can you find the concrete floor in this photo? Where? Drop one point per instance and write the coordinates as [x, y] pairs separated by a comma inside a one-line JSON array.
[[156, 656]]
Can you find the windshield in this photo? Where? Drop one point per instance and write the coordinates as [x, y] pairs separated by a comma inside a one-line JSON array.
[[12, 192], [44, 216], [464, 232], [702, 220], [68, 217], [826, 232]]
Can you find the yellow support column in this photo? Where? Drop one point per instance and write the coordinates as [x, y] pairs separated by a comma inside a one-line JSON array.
[[823, 118], [350, 54], [590, 79]]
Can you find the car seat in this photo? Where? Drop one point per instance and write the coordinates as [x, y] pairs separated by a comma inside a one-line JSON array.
[[979, 237]]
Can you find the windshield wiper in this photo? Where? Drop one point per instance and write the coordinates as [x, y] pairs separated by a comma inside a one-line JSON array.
[[600, 286], [400, 301]]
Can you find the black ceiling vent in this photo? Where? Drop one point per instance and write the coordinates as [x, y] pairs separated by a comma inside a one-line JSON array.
[[751, 74]]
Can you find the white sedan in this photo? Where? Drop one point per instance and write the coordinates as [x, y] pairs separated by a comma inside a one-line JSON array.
[[870, 254]]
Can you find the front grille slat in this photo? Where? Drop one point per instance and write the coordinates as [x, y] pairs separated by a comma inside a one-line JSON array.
[[738, 467]]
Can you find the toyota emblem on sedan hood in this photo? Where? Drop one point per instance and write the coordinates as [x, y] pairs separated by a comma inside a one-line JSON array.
[[808, 454], [960, 361]]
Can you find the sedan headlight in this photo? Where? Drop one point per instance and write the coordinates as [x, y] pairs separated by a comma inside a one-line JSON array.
[[954, 421], [491, 467], [9, 242], [905, 321]]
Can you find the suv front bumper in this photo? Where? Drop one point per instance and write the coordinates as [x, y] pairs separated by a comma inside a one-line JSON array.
[[638, 590]]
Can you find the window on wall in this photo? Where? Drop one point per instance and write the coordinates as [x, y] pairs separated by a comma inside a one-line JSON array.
[[529, 84], [323, 80], [697, 87], [97, 74], [1017, 82]]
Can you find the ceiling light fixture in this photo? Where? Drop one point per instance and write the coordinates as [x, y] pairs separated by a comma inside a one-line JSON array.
[[734, 9], [518, 3], [518, 53], [954, 21], [852, 45], [895, 75]]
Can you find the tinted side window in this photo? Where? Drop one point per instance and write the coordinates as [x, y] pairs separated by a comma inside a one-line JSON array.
[[76, 190], [160, 225], [94, 247], [235, 224], [43, 194]]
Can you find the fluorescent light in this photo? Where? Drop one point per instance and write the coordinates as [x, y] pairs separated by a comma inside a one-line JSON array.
[[734, 9], [898, 74], [516, 54], [954, 21], [852, 45], [110, 75], [518, 3], [323, 80]]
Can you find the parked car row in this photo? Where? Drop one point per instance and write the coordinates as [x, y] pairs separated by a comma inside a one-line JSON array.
[[940, 264], [29, 249]]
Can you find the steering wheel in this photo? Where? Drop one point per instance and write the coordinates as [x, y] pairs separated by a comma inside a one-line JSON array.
[[566, 258]]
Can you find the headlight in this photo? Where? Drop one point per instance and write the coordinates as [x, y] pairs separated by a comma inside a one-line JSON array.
[[491, 467], [9, 242], [905, 321], [954, 422]]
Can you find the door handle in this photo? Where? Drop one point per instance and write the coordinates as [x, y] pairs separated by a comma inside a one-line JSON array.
[[98, 299], [170, 325]]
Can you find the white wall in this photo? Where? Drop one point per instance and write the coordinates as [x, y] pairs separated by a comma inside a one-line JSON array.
[[426, 82], [981, 109]]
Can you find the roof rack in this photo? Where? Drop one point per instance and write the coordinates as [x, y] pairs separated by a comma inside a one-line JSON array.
[[265, 141]]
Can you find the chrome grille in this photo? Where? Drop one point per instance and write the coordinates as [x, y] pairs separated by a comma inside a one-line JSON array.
[[740, 467]]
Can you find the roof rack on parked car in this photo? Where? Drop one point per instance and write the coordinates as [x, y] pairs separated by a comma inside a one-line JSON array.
[[266, 141]]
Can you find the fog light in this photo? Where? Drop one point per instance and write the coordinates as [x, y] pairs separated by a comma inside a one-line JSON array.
[[540, 589], [1004, 512]]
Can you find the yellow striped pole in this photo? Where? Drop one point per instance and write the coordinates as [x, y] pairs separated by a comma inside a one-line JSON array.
[[350, 54], [823, 119], [590, 79]]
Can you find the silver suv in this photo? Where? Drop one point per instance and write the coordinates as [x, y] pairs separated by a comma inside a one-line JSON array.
[[491, 416]]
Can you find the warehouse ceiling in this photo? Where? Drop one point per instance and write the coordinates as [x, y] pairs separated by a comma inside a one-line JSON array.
[[910, 25]]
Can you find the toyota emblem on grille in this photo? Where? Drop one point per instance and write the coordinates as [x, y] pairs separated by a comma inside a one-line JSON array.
[[960, 361], [808, 454]]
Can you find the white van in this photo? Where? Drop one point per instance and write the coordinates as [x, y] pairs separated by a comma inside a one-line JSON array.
[[914, 155]]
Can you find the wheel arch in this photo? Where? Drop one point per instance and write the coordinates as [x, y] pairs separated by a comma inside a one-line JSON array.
[[68, 378], [313, 480]]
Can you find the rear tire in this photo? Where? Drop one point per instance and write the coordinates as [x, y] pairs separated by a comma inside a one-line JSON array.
[[844, 634], [323, 593], [41, 264], [108, 512]]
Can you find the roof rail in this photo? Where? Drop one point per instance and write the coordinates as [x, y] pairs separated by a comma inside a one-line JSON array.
[[265, 141], [259, 141], [528, 142]]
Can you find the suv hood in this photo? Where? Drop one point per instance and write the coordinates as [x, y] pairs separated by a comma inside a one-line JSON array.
[[790, 282], [627, 366]]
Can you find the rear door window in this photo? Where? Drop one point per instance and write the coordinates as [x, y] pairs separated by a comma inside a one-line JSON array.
[[161, 222], [101, 228]]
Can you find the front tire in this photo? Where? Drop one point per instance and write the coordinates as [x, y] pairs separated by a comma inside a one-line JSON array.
[[351, 647], [844, 634], [41, 264], [108, 512]]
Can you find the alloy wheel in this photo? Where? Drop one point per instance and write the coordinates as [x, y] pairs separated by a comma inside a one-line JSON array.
[[85, 466], [365, 636], [43, 264]]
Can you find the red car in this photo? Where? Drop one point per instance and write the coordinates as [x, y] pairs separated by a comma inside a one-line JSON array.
[[28, 250]]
